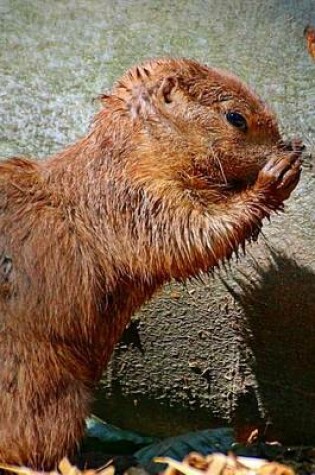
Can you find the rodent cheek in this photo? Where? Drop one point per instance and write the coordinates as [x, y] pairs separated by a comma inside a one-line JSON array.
[[263, 131], [218, 134]]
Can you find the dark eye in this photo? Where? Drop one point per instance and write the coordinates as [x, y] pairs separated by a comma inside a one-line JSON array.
[[237, 120]]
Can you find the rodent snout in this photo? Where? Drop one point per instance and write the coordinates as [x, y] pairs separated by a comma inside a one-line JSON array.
[[294, 145]]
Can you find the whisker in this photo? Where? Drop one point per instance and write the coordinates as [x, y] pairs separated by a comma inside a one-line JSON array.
[[217, 159]]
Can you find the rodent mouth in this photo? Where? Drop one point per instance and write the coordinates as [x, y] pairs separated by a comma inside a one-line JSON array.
[[238, 185], [232, 185]]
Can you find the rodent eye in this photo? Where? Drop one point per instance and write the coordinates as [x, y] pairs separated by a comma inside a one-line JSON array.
[[237, 120]]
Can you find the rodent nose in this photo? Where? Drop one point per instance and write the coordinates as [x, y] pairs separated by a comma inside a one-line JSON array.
[[294, 145]]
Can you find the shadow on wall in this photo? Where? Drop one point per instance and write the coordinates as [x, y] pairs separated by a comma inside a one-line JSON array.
[[279, 330]]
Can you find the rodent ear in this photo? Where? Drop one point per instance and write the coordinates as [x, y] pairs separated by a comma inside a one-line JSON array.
[[167, 89]]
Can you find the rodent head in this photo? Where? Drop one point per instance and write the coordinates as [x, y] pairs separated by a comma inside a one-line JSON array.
[[202, 127]]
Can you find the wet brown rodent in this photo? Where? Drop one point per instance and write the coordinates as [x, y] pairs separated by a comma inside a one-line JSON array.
[[179, 169]]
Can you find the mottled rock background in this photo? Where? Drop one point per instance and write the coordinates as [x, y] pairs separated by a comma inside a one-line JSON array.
[[239, 348]]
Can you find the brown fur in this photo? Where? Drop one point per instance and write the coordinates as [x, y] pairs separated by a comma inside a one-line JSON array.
[[162, 187], [309, 33]]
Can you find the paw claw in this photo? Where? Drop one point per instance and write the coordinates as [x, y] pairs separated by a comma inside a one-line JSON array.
[[280, 176]]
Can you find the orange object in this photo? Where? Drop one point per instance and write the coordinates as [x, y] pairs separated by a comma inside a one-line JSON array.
[[309, 33]]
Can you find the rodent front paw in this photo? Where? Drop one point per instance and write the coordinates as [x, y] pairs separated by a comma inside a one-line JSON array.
[[280, 175]]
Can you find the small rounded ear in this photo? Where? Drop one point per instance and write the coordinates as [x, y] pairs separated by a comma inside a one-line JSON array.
[[167, 88]]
